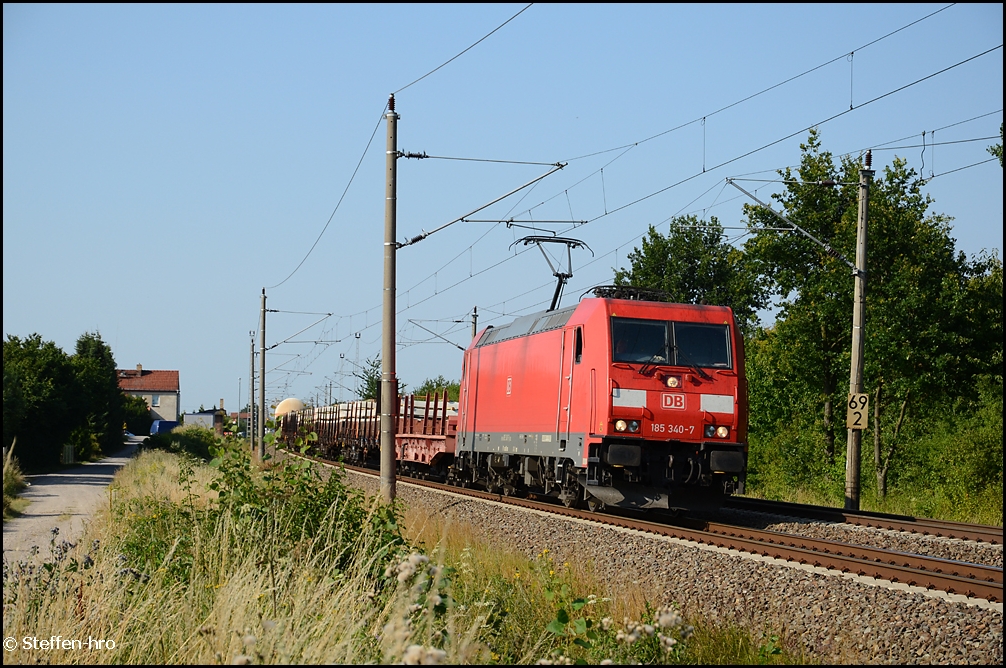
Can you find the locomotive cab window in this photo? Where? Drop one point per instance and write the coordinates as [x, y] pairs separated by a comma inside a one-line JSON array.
[[578, 344], [702, 345], [639, 341]]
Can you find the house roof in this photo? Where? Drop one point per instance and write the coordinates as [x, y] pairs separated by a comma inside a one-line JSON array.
[[147, 380]]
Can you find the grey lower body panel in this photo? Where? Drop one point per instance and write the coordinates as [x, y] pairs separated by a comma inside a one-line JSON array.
[[533, 444]]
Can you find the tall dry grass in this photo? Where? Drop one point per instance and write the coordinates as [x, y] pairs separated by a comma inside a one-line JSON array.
[[169, 577], [249, 595]]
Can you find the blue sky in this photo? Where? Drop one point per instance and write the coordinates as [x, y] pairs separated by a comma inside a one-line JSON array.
[[163, 164]]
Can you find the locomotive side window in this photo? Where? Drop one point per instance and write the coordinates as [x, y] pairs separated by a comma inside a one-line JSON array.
[[639, 341], [578, 344], [702, 345]]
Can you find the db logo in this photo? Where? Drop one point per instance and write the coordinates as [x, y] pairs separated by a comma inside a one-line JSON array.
[[672, 402]]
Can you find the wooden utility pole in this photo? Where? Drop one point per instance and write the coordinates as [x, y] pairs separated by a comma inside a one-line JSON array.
[[250, 425], [389, 383], [261, 385], [858, 404]]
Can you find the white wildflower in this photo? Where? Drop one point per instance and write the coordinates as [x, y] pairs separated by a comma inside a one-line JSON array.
[[416, 655], [668, 618], [667, 642], [405, 572]]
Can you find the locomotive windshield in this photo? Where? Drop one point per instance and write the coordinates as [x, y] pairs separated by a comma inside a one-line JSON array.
[[670, 343], [702, 345], [639, 341]]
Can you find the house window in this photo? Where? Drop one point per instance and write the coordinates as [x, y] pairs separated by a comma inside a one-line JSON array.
[[155, 400]]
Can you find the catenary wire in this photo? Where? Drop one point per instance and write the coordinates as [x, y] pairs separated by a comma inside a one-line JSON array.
[[466, 50], [855, 107], [754, 95], [697, 174], [338, 204], [627, 147], [790, 136], [373, 134]]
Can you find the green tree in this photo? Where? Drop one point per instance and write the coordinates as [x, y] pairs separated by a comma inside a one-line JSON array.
[[439, 384], [997, 149], [921, 297], [694, 264], [137, 415], [100, 401], [370, 379], [812, 290], [40, 405]]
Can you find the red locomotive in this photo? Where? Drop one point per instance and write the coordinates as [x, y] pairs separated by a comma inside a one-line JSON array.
[[612, 402]]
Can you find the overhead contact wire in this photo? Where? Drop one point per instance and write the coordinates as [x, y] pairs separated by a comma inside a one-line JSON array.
[[790, 136], [351, 179], [766, 90], [465, 51]]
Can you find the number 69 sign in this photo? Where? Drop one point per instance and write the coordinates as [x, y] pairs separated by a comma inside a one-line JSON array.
[[859, 409]]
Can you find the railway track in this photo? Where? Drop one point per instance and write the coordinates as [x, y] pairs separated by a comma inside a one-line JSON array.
[[954, 577], [981, 533]]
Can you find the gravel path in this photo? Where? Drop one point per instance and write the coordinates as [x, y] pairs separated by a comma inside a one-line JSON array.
[[831, 616], [64, 500]]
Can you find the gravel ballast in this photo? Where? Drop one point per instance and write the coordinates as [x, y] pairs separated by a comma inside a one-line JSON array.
[[831, 616]]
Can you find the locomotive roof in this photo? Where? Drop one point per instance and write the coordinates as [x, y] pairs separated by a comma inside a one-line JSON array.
[[528, 324], [544, 321]]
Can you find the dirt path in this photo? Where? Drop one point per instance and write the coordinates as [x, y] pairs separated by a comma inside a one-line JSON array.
[[65, 500]]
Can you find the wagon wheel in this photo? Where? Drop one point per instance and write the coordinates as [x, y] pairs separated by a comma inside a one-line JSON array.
[[594, 504]]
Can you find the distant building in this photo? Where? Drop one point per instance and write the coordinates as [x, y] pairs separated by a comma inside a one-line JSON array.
[[158, 388], [211, 419]]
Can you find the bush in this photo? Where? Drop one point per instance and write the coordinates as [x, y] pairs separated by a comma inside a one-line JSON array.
[[192, 440], [13, 481], [947, 465]]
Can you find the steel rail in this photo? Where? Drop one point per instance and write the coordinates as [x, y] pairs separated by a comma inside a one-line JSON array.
[[981, 533], [982, 572], [972, 580]]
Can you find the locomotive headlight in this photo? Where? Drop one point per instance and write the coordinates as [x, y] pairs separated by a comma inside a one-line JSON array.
[[621, 425], [712, 430], [673, 381], [633, 426], [722, 432]]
